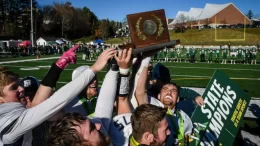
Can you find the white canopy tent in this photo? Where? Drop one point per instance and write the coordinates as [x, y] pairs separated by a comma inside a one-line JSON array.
[[59, 42]]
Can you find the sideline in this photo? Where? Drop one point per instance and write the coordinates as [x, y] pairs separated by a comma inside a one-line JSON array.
[[27, 60]]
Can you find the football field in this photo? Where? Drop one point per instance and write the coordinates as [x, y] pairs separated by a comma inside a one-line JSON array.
[[185, 74]]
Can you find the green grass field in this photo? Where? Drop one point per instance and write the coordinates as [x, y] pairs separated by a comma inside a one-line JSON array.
[[184, 74], [211, 37]]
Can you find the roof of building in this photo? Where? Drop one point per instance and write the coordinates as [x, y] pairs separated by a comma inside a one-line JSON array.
[[203, 13], [170, 20], [48, 38], [179, 14], [194, 13], [212, 9]]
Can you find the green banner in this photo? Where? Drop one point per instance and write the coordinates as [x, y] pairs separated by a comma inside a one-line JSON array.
[[218, 121]]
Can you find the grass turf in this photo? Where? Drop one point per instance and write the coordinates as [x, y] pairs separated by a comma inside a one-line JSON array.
[[184, 74], [209, 37]]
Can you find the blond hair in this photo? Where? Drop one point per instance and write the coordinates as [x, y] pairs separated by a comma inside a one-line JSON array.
[[6, 77]]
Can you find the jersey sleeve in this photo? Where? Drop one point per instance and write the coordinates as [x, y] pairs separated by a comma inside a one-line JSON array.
[[154, 101], [106, 98]]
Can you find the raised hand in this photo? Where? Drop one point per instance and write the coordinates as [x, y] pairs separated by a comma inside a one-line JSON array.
[[67, 57], [199, 101], [102, 59], [123, 58]]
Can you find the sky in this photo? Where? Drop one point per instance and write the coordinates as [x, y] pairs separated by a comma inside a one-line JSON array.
[[118, 9]]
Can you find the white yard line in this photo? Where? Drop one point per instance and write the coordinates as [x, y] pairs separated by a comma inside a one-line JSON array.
[[169, 66], [235, 78], [212, 68], [26, 60], [40, 67]]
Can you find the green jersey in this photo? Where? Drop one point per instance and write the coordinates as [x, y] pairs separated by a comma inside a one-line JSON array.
[[187, 50], [239, 51], [217, 51], [202, 51], [253, 50], [233, 50], [210, 51]]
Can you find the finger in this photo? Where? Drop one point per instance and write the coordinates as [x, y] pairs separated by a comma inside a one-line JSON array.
[[74, 48], [110, 56], [108, 50], [129, 53], [110, 53], [202, 102], [124, 53], [120, 54], [116, 58], [72, 59]]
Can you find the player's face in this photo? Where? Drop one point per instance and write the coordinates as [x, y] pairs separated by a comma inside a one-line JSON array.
[[92, 88], [163, 133], [90, 131], [12, 92], [168, 95]]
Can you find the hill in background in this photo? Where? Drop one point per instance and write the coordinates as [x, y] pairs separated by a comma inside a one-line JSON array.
[[207, 36]]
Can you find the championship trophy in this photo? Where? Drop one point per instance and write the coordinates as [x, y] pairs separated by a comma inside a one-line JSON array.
[[149, 32]]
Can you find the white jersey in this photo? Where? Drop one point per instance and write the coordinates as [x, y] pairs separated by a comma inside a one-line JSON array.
[[154, 101], [76, 105], [120, 129]]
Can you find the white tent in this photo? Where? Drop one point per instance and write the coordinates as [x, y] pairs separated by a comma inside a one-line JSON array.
[[59, 42]]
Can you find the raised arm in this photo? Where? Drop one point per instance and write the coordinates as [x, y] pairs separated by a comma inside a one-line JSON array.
[[123, 59], [139, 95], [190, 94], [36, 115], [49, 81]]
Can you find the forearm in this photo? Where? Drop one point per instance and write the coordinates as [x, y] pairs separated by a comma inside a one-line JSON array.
[[123, 105], [139, 95], [43, 93], [40, 113], [140, 92], [48, 83], [107, 94]]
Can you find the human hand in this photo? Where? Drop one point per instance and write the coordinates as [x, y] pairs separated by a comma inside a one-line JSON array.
[[67, 57], [102, 59], [199, 100], [123, 58]]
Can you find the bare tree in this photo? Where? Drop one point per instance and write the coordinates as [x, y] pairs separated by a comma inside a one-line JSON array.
[[181, 21], [65, 12]]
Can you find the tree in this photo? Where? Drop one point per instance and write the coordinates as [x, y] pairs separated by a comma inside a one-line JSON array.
[[181, 21], [91, 18], [250, 14], [15, 17], [64, 13]]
